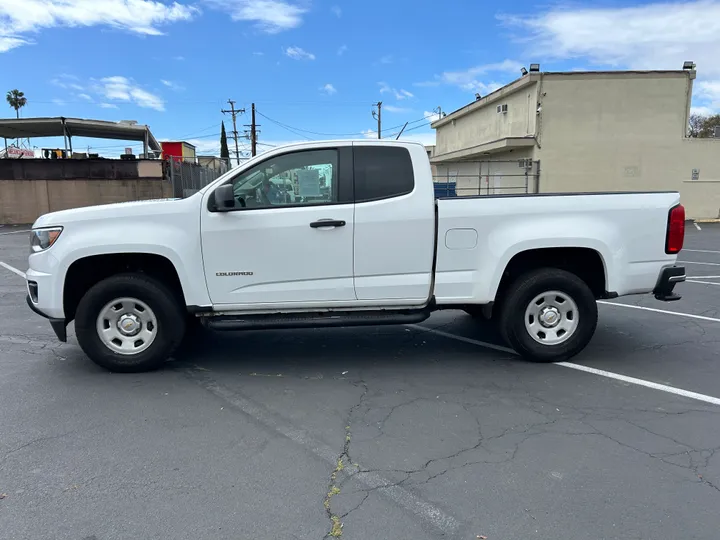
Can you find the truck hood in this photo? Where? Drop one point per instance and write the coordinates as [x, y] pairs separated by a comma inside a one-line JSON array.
[[108, 211]]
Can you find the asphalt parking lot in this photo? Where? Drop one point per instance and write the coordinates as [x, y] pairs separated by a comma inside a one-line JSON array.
[[425, 432]]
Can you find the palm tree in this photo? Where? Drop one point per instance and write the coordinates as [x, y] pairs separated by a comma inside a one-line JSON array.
[[17, 100]]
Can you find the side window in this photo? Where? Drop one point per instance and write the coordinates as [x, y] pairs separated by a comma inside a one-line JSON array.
[[298, 178], [382, 172]]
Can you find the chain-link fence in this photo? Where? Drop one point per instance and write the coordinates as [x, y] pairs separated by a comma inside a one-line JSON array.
[[188, 175], [497, 177]]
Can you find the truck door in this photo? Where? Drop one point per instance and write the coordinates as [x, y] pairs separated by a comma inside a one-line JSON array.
[[289, 239], [394, 223]]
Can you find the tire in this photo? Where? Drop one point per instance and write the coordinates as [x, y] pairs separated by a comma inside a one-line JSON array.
[[147, 308], [556, 307]]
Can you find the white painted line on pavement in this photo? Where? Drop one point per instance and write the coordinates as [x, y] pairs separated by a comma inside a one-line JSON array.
[[703, 277], [703, 282], [600, 372], [15, 232], [697, 227], [461, 338], [705, 263], [701, 250], [13, 269], [642, 382], [676, 313]]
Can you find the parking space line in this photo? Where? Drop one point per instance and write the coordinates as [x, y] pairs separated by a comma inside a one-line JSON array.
[[666, 312], [702, 277], [695, 262], [697, 227], [642, 382], [15, 232], [700, 250], [703, 282], [461, 338], [579, 367], [13, 269]]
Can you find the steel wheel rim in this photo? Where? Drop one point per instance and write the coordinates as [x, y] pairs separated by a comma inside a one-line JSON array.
[[552, 318], [127, 326]]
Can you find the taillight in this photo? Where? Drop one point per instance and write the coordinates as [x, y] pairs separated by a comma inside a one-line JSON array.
[[675, 230]]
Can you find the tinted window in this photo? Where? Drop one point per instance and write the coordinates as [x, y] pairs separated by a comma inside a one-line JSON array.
[[297, 178], [382, 172]]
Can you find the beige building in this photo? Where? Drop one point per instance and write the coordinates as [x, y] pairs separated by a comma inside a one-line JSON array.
[[582, 132]]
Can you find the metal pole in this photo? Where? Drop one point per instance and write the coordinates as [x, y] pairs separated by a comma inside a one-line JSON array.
[[146, 142], [64, 134], [401, 131], [253, 135], [70, 141], [379, 119]]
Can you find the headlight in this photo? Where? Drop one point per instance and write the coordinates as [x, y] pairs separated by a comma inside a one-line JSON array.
[[42, 239]]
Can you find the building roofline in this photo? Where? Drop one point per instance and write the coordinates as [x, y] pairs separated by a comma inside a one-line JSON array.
[[533, 77]]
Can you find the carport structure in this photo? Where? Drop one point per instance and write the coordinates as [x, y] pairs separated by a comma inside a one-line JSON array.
[[67, 128]]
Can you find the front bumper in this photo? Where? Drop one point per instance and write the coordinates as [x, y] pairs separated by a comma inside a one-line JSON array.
[[59, 326], [666, 283]]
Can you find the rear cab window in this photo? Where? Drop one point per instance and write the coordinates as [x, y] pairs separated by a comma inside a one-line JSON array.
[[382, 172]]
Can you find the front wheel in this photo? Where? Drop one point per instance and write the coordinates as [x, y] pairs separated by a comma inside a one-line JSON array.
[[549, 315], [129, 323]]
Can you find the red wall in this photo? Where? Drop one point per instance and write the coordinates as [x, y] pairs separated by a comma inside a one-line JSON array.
[[173, 149]]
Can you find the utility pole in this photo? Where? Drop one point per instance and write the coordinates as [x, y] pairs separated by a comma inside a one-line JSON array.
[[378, 117], [253, 132], [234, 114]]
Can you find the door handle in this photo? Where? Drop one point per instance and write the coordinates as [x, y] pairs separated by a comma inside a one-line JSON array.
[[327, 223]]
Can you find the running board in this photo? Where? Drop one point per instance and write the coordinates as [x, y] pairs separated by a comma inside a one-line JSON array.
[[315, 320]]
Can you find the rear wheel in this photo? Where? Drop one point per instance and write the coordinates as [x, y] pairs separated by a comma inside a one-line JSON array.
[[129, 323], [549, 315]]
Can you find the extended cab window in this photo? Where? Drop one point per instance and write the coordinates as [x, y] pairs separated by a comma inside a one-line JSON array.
[[298, 178], [382, 172]]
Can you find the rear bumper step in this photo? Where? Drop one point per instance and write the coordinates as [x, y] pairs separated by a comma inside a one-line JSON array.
[[314, 320], [668, 278]]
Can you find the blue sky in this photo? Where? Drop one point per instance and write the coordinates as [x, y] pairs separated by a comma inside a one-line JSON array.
[[318, 65]]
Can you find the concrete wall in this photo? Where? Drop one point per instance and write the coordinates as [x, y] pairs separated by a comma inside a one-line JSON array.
[[625, 133], [28, 189], [486, 125], [23, 201]]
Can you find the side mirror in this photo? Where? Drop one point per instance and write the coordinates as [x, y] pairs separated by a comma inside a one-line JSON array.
[[224, 198]]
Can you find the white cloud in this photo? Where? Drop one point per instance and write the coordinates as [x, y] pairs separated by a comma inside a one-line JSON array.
[[468, 79], [703, 111], [299, 54], [369, 134], [179, 58], [431, 116], [58, 101], [342, 50], [258, 53], [399, 94], [337, 11], [387, 59], [18, 19], [329, 89], [394, 109], [172, 85], [108, 106], [651, 36], [270, 16], [67, 81], [85, 97], [708, 92], [118, 88]]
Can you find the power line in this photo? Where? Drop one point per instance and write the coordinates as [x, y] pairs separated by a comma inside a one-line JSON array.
[[286, 127]]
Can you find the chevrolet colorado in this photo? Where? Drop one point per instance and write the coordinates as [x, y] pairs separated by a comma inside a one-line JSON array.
[[339, 234]]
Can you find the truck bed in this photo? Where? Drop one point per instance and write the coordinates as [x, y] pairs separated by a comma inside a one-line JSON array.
[[479, 235]]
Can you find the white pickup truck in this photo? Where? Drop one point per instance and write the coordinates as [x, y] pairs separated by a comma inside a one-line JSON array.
[[339, 234]]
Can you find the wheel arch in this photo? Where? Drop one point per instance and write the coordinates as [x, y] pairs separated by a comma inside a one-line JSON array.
[[84, 272]]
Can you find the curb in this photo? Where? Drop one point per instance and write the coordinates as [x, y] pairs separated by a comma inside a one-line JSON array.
[[706, 220]]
